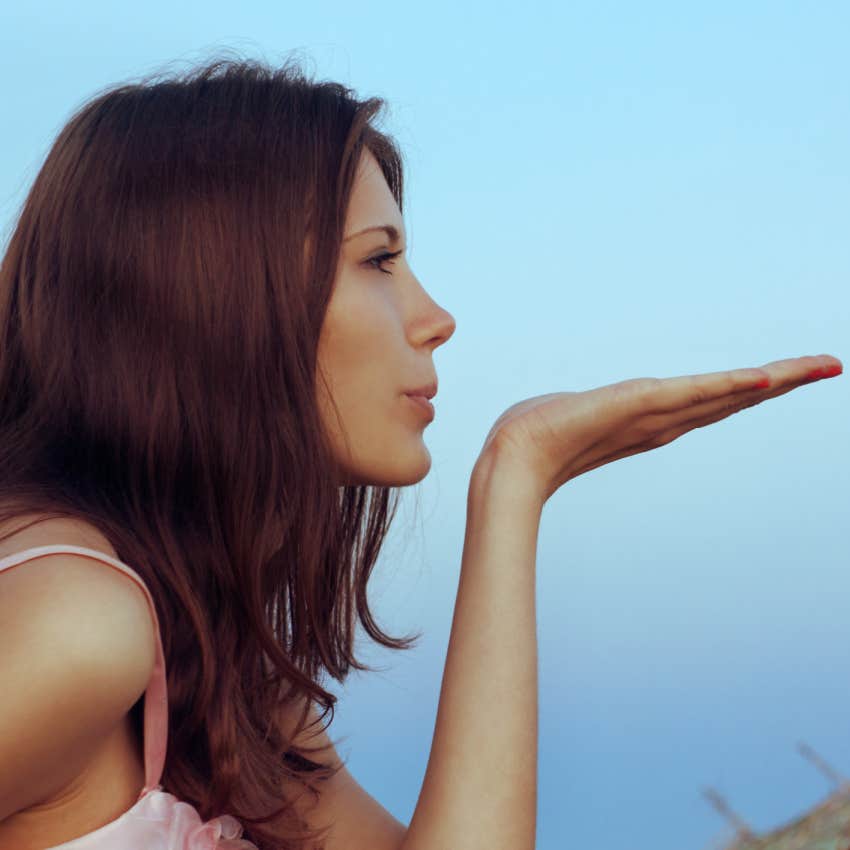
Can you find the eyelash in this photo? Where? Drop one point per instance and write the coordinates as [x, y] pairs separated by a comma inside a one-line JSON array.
[[383, 258]]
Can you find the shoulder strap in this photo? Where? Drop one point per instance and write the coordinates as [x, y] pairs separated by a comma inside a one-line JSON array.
[[156, 694]]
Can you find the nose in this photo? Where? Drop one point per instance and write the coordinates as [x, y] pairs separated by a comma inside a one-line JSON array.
[[444, 328], [439, 326], [433, 325]]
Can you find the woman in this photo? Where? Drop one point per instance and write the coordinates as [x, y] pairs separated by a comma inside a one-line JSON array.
[[212, 348]]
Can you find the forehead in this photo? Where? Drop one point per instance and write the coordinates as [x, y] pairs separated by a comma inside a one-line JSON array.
[[372, 202]]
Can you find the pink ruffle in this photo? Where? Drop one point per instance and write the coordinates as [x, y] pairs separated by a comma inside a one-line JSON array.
[[183, 829]]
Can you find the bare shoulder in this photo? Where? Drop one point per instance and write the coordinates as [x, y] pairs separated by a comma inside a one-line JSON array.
[[77, 635], [92, 605]]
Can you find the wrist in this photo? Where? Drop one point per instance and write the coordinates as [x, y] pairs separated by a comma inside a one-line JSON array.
[[499, 472]]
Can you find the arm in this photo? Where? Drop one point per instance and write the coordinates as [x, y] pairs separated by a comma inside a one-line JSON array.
[[480, 786]]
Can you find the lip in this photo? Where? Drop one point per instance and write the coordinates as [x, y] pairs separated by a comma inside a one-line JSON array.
[[423, 404], [427, 391]]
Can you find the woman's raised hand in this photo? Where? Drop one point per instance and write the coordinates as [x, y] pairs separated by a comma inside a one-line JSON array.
[[558, 436]]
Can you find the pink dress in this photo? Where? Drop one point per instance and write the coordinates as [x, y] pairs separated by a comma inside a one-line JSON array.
[[157, 820]]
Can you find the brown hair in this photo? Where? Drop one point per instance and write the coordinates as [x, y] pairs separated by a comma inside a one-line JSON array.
[[161, 299]]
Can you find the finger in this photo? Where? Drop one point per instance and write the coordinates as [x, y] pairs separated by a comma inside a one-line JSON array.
[[723, 406], [742, 391], [690, 391], [673, 433], [647, 436], [821, 361], [791, 378]]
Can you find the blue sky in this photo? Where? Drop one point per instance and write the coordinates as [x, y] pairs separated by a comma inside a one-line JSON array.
[[596, 191]]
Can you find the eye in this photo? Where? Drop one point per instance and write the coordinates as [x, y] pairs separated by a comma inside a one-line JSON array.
[[386, 257]]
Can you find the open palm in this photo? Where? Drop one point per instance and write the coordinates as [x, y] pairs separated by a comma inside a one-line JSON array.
[[558, 436]]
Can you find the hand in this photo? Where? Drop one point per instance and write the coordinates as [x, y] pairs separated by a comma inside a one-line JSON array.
[[558, 436]]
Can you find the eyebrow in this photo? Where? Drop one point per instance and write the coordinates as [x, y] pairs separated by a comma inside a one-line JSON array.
[[390, 230]]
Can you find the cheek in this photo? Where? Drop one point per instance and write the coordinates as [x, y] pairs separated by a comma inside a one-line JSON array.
[[361, 343], [365, 328]]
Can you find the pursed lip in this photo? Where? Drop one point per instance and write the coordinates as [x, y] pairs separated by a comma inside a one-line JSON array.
[[428, 391]]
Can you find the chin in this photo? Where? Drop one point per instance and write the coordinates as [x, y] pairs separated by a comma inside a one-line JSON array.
[[392, 471]]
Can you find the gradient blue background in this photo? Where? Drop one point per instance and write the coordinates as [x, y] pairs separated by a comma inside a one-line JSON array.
[[596, 191]]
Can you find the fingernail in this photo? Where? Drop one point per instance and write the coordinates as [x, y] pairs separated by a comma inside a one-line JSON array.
[[825, 372]]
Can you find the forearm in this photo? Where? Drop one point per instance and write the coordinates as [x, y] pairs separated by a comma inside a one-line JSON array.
[[480, 786]]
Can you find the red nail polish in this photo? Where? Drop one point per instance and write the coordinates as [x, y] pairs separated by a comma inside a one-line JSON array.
[[816, 373], [832, 371]]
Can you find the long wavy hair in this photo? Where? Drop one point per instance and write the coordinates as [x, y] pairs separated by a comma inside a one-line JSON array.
[[161, 299]]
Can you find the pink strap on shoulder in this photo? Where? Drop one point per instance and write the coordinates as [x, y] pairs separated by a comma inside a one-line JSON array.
[[156, 695]]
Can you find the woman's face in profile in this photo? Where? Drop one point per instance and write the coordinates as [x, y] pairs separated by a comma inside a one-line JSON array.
[[376, 343]]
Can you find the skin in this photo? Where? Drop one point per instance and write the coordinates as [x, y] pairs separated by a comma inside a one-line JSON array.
[[377, 341]]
